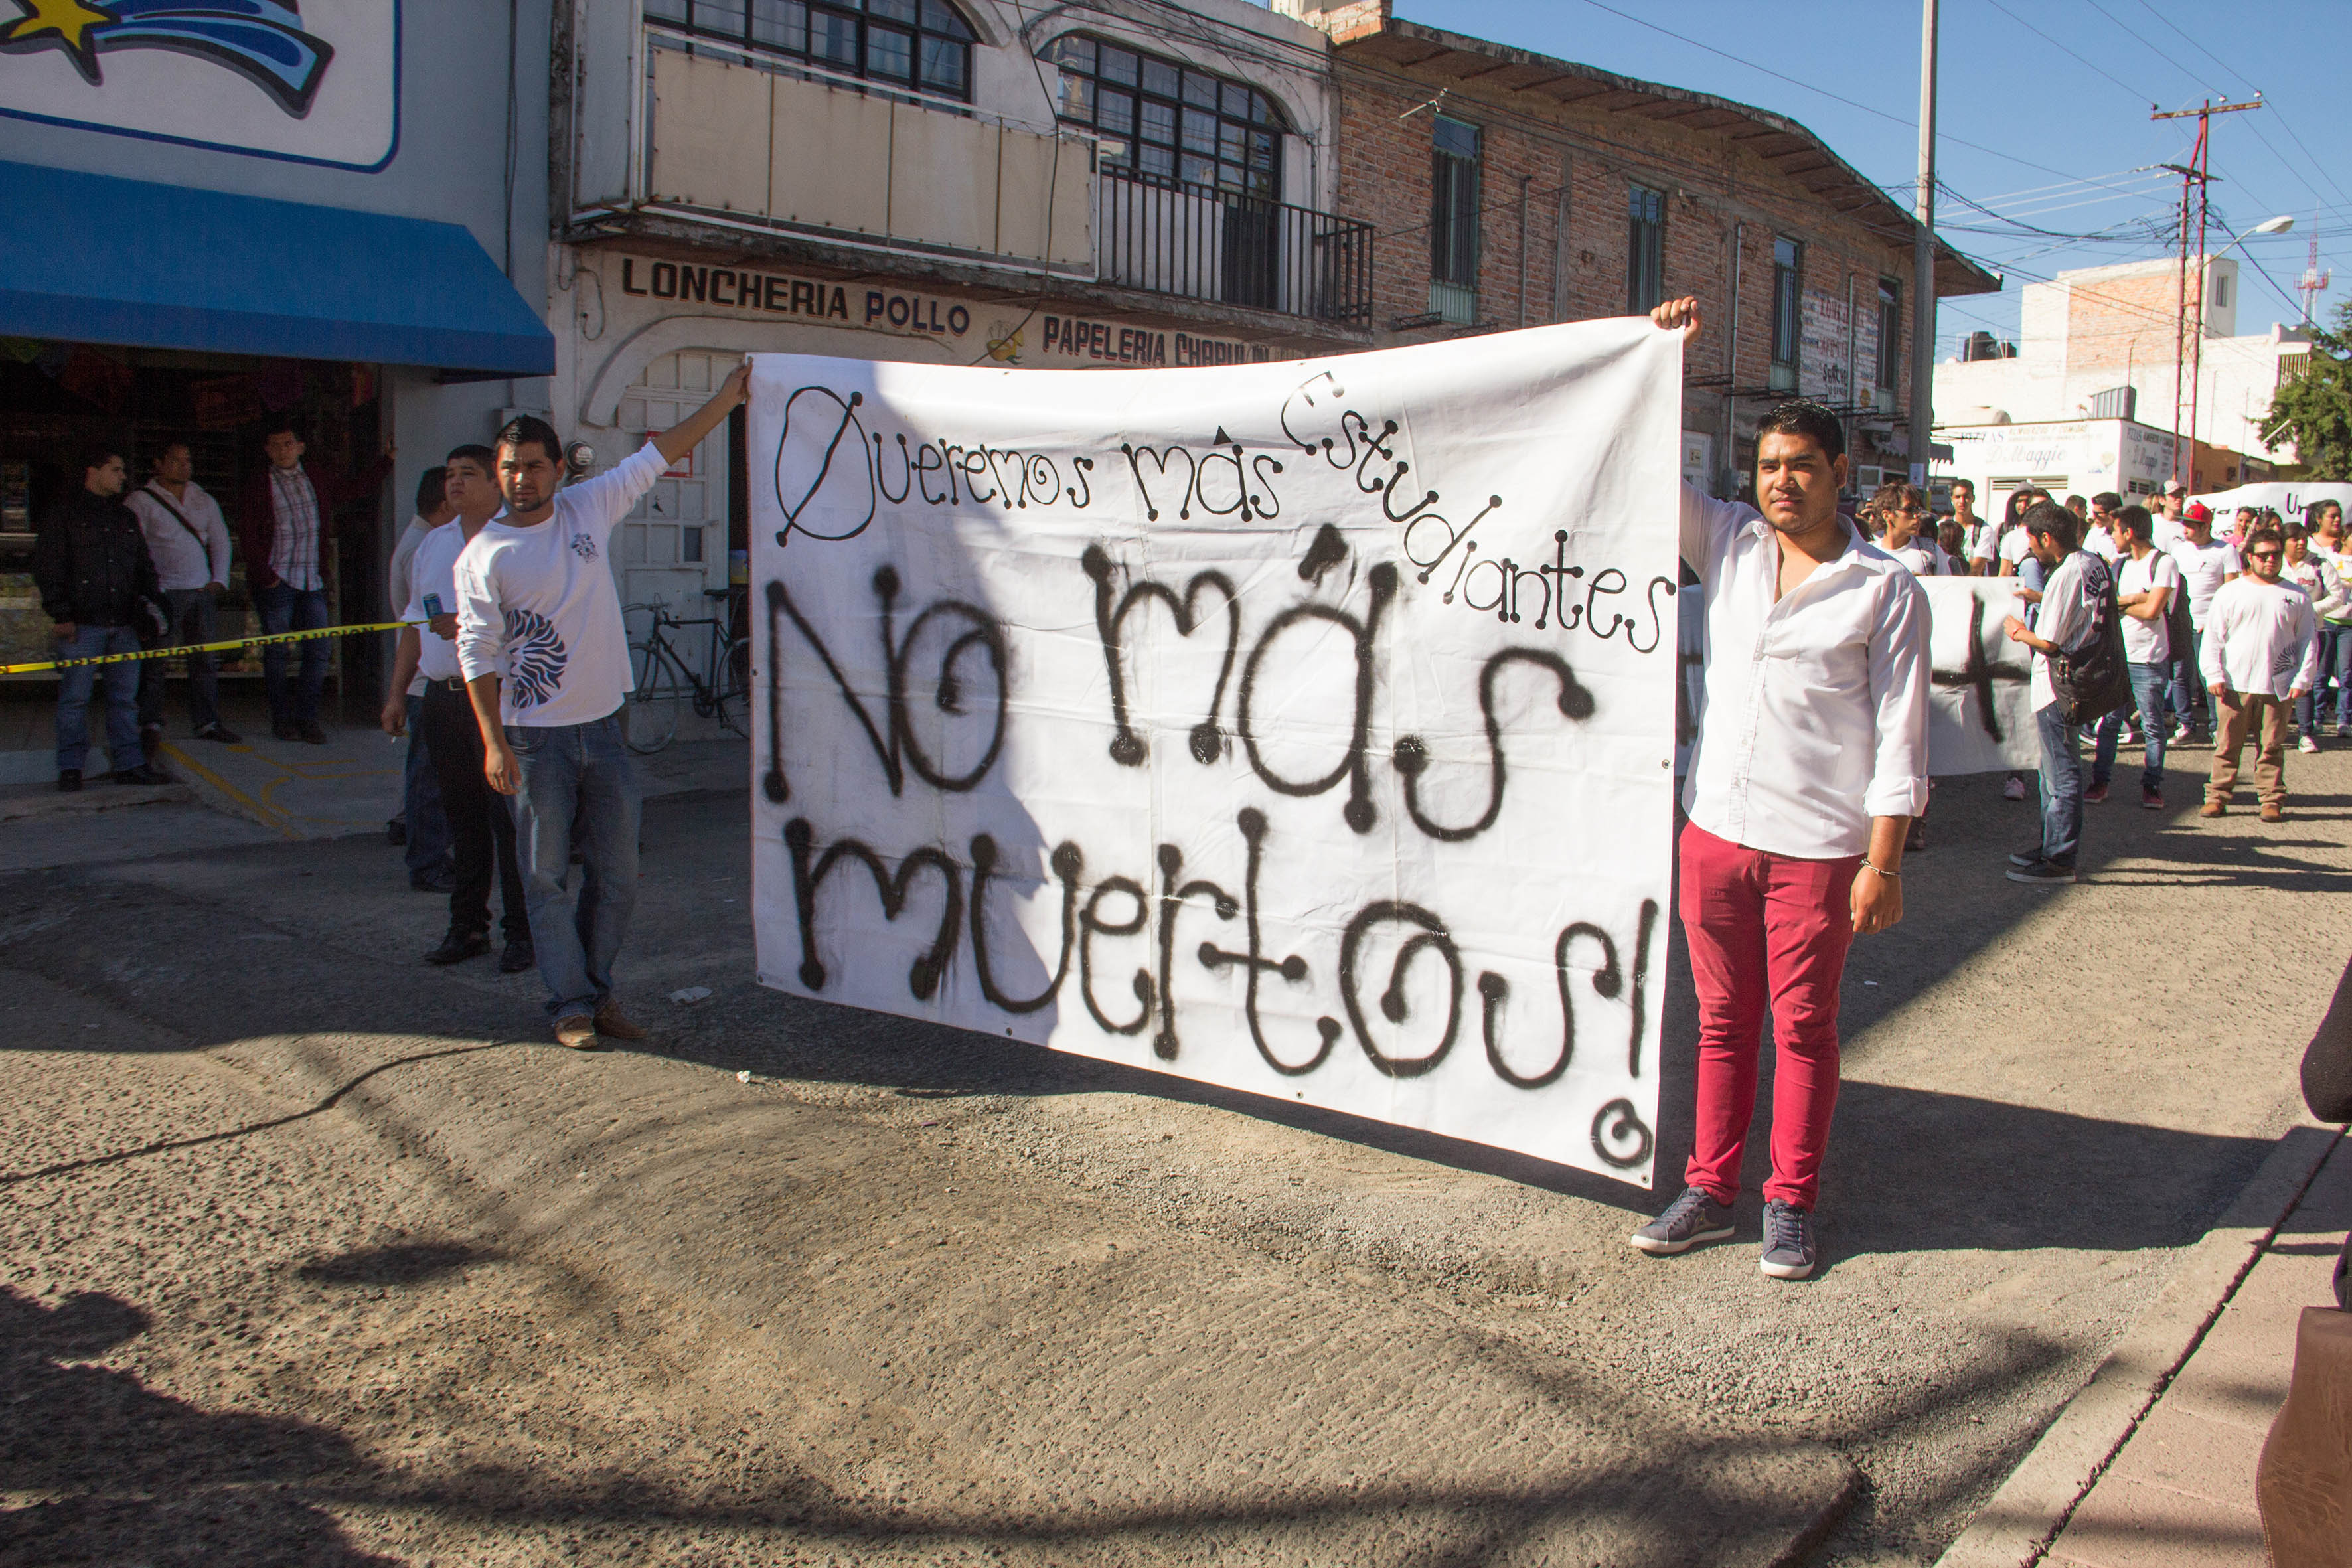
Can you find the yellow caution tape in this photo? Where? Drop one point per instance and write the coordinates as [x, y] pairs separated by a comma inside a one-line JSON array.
[[202, 648]]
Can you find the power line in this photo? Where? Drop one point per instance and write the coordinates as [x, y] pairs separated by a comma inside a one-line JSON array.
[[1809, 87], [2054, 44]]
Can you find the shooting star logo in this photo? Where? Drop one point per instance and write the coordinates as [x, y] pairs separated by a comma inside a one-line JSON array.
[[261, 40]]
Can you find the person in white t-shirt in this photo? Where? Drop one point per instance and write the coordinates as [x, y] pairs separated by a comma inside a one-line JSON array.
[[1972, 527], [2167, 516], [440, 716], [2205, 562], [1901, 510], [2147, 581], [2073, 597], [2324, 521], [2099, 537], [2316, 575], [422, 825], [2261, 652], [546, 661]]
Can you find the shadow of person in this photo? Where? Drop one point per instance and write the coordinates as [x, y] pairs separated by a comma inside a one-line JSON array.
[[125, 1474]]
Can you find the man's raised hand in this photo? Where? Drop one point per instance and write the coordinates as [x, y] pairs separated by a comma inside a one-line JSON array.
[[1679, 315]]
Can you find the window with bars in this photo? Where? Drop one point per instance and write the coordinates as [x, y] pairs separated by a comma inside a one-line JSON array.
[[1788, 281], [1164, 117], [1645, 249], [923, 44], [1890, 333], [1454, 219]]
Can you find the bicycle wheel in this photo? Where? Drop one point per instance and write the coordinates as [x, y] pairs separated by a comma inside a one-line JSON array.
[[649, 718], [734, 687]]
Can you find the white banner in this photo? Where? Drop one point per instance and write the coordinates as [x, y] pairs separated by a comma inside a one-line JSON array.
[[1306, 728], [1978, 717]]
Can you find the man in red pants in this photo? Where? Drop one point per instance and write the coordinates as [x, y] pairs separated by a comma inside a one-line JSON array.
[[1812, 760]]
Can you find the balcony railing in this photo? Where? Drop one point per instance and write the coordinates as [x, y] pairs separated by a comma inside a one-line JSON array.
[[1200, 242]]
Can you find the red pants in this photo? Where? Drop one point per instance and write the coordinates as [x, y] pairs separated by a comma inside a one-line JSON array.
[[1764, 928]]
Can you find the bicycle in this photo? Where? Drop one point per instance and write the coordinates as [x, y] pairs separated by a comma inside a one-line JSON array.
[[663, 677]]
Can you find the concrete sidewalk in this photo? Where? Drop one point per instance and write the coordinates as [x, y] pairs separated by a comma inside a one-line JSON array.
[[2145, 1472], [263, 790], [2182, 1490]]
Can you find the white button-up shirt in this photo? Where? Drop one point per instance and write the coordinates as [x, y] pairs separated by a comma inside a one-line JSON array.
[[183, 560], [1815, 718], [2260, 637]]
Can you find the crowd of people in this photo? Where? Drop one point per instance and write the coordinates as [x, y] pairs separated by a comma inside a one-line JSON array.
[[118, 573], [510, 673], [2231, 639]]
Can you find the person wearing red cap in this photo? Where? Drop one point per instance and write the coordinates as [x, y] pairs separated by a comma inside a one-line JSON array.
[[2206, 562]]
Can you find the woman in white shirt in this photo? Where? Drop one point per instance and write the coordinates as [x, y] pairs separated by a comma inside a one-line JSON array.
[[2319, 576]]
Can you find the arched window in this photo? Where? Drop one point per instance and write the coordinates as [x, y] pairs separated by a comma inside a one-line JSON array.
[[924, 44], [1165, 118]]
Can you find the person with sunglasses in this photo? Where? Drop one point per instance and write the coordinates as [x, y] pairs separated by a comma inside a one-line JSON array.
[[2261, 653]]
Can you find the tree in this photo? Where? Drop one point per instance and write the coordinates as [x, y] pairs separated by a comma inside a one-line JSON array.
[[2313, 408]]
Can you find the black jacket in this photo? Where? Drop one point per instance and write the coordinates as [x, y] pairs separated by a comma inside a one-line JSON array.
[[91, 565]]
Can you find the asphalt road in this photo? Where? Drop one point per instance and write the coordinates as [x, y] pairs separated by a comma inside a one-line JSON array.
[[314, 1255]]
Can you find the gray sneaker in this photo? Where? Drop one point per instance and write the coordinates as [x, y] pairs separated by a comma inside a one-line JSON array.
[[1789, 1250], [1690, 1220]]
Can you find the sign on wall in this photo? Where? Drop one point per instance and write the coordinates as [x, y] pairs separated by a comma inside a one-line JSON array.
[[314, 81], [1306, 728]]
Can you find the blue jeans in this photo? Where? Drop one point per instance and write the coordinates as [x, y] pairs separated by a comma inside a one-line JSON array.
[[2188, 696], [284, 609], [429, 847], [579, 771], [2335, 662], [2062, 785], [2147, 683], [121, 697]]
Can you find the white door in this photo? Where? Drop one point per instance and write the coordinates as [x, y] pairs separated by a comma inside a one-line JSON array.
[[673, 546]]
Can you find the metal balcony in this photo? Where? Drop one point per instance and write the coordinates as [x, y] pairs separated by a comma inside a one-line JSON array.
[[1162, 236]]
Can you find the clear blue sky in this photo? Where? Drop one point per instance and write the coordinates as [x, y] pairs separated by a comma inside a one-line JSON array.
[[2036, 134]]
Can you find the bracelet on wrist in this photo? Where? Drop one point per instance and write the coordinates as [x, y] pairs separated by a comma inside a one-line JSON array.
[[1890, 876]]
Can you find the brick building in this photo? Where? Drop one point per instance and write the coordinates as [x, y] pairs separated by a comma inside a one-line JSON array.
[[1509, 189]]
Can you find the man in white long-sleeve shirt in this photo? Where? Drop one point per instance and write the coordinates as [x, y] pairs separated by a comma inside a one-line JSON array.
[[1812, 760], [2261, 652], [188, 539], [546, 661]]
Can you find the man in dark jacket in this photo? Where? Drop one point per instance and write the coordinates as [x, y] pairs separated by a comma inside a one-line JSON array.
[[286, 519], [98, 584]]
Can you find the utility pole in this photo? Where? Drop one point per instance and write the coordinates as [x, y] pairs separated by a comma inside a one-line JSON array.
[[2188, 333], [1923, 261]]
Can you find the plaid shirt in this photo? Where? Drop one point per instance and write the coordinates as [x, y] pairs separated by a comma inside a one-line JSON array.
[[294, 541]]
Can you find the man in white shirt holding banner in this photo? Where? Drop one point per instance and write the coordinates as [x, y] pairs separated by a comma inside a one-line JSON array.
[[546, 661], [1810, 762]]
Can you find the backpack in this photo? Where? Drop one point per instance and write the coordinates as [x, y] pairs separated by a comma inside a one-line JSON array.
[[2095, 680]]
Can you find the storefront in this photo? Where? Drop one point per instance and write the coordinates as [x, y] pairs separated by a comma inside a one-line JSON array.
[[293, 222], [652, 331]]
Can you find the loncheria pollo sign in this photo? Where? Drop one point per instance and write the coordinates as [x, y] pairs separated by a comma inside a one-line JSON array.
[[1305, 728]]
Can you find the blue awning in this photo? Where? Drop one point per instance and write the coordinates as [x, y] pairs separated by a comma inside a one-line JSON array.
[[92, 259]]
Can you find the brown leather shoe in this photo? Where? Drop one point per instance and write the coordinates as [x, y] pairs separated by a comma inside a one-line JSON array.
[[2213, 808], [2273, 812], [612, 1024], [579, 1032]]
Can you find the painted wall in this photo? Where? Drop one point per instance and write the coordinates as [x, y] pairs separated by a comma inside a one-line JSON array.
[[443, 155]]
